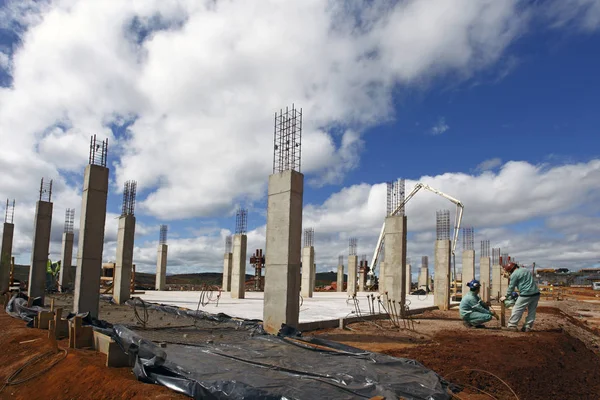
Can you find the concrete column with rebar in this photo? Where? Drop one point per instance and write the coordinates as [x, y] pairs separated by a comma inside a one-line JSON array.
[[124, 259], [408, 278], [484, 277], [340, 275], [41, 243], [496, 288], [468, 269], [423, 276], [238, 270], [65, 279], [395, 257], [362, 279], [442, 261], [284, 241], [308, 265], [91, 232], [161, 266], [227, 265], [5, 255], [352, 271]]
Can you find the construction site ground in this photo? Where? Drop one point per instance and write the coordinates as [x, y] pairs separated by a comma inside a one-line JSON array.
[[560, 359]]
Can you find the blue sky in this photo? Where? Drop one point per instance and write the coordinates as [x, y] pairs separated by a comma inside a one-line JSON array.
[[494, 104]]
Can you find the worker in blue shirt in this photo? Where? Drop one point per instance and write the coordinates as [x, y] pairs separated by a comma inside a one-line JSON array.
[[473, 311], [529, 295]]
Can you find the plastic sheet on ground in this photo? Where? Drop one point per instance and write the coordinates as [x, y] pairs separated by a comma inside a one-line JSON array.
[[280, 367]]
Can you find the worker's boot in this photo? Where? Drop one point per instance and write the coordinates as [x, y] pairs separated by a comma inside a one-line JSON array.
[[525, 329], [467, 325], [510, 328]]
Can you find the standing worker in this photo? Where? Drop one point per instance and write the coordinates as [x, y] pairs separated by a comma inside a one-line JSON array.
[[473, 311], [529, 295]]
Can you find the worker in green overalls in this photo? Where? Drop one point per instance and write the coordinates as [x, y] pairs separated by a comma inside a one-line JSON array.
[[52, 271]]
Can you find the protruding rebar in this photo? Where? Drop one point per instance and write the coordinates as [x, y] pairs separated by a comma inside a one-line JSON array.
[[69, 220], [442, 225], [468, 236], [341, 259], [485, 248], [309, 237], [496, 258], [162, 236], [46, 190], [98, 152], [424, 262], [129, 193], [395, 197], [287, 147], [241, 221], [9, 214], [352, 244]]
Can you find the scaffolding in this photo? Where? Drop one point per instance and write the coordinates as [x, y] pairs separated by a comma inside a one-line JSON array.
[[468, 236], [241, 221], [9, 214], [395, 197], [69, 220], [442, 225], [129, 193], [98, 152], [485, 248], [309, 237], [162, 236], [352, 245], [287, 149]]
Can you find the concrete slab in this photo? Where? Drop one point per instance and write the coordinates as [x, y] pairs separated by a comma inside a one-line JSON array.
[[321, 307]]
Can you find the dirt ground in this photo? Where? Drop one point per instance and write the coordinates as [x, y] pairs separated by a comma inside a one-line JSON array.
[[81, 375], [559, 360]]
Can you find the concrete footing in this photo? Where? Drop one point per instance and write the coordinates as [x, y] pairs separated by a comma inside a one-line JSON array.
[[441, 277], [65, 279], [124, 261], [5, 255], [227, 265], [352, 272], [238, 269], [340, 278], [308, 271], [468, 268], [91, 240], [284, 243], [40, 250], [161, 266], [484, 277]]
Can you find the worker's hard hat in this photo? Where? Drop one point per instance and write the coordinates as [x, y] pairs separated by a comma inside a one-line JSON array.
[[474, 284], [510, 267]]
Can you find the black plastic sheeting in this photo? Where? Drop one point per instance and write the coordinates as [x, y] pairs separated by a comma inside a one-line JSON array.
[[277, 367]]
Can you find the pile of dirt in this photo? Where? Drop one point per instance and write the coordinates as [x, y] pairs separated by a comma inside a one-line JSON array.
[[81, 375], [540, 365]]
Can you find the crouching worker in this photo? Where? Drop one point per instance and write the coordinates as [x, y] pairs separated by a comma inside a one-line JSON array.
[[473, 311]]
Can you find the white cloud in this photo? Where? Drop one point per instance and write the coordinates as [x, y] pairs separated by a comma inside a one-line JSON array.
[[584, 15], [489, 164], [440, 127]]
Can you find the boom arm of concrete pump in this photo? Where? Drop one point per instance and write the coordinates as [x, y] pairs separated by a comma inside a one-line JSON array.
[[459, 213]]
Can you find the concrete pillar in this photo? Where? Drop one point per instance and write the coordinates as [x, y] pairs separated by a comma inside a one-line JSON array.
[[314, 277], [496, 279], [65, 278], [408, 278], [382, 287], [484, 277], [395, 258], [161, 267], [352, 271], [91, 240], [284, 243], [5, 255], [340, 278], [308, 266], [441, 277], [40, 250], [227, 265], [238, 269], [362, 279], [124, 261], [468, 269], [423, 276]]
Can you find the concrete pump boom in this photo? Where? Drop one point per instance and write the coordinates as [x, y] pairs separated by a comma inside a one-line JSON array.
[[458, 218]]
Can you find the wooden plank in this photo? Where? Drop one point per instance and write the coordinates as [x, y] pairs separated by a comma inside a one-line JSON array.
[[115, 356]]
